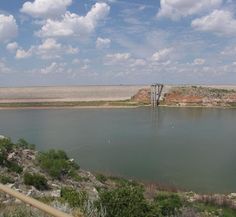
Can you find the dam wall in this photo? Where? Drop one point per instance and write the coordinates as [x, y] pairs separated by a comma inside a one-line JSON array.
[[68, 94], [88, 93]]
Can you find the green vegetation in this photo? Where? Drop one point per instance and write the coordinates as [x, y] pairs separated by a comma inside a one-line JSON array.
[[213, 210], [57, 164], [101, 178], [168, 203], [36, 180], [25, 145], [20, 211], [122, 181], [127, 201], [117, 197], [6, 147], [70, 104], [13, 167], [6, 179], [74, 198]]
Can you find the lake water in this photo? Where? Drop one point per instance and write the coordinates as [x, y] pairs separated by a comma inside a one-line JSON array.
[[191, 148]]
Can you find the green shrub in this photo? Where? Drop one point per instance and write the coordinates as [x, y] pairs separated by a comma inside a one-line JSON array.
[[124, 182], [168, 203], [73, 197], [14, 167], [56, 163], [25, 145], [6, 179], [6, 147], [36, 180], [101, 178], [126, 201]]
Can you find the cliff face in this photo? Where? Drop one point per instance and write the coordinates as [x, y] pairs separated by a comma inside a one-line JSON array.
[[191, 96], [200, 96], [142, 96]]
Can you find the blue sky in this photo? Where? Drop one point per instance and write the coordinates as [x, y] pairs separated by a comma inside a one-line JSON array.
[[80, 42]]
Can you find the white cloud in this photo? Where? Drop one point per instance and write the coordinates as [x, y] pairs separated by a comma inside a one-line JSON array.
[[23, 54], [175, 9], [75, 25], [199, 61], [72, 50], [12, 47], [138, 62], [49, 49], [103, 43], [117, 58], [8, 27], [220, 22], [229, 51], [53, 68], [4, 68], [162, 55], [45, 8]]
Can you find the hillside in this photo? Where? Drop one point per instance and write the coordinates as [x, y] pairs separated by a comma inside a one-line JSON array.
[[204, 96], [57, 180], [200, 96]]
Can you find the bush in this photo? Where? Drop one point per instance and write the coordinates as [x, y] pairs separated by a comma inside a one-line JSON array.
[[36, 180], [6, 179], [101, 178], [126, 201], [168, 203], [25, 145], [73, 197], [56, 163], [14, 167], [6, 147]]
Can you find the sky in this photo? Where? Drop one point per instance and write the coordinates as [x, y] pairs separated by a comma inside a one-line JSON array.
[[113, 42]]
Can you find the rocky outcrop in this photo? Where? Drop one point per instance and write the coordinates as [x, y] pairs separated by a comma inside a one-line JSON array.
[[200, 96], [27, 159], [142, 96]]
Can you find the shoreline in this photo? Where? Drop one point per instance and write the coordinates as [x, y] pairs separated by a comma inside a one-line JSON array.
[[106, 105], [67, 107]]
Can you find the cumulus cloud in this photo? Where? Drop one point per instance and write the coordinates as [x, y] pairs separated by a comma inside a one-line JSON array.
[[3, 67], [23, 54], [12, 47], [45, 8], [103, 43], [162, 55], [49, 49], [229, 51], [72, 24], [117, 58], [221, 22], [199, 61], [53, 68], [8, 27], [138, 62], [176, 9]]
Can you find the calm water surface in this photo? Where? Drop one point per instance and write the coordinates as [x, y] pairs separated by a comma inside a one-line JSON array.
[[191, 148]]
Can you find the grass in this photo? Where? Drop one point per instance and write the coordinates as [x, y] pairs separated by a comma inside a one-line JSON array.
[[214, 210], [69, 104]]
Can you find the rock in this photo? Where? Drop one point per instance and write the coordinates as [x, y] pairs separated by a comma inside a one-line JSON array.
[[2, 137], [71, 160], [56, 193], [143, 96], [232, 196], [11, 156]]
